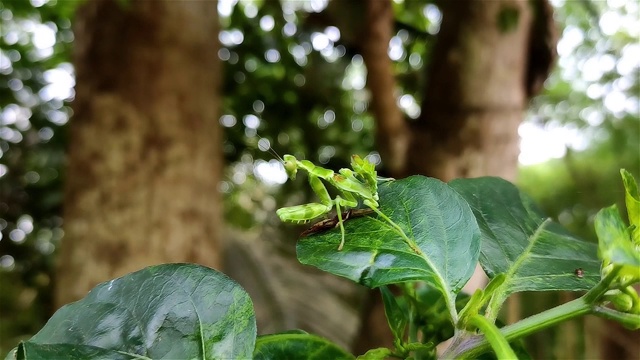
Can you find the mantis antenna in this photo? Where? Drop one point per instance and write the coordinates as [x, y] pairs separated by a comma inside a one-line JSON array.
[[265, 145]]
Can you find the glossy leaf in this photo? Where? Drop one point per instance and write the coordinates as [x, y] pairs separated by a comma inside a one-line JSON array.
[[33, 351], [615, 244], [430, 213], [161, 312], [534, 253], [297, 346], [632, 200]]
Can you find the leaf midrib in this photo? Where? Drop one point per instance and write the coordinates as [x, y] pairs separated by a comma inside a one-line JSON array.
[[533, 239]]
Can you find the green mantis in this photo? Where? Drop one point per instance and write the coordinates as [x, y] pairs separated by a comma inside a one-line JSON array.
[[353, 185]]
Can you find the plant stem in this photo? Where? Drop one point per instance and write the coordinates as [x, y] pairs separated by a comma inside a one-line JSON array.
[[578, 307], [545, 319], [478, 345], [494, 337], [597, 291]]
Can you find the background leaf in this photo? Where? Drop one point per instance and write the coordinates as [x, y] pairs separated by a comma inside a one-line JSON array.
[[396, 315], [632, 200], [297, 346], [614, 239], [161, 312], [430, 213], [533, 254]]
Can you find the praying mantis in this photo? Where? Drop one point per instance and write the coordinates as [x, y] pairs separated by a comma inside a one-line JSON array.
[[361, 183], [353, 185]]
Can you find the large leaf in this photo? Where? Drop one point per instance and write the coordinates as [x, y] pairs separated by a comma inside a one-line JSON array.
[[297, 346], [430, 213], [396, 315], [173, 311], [518, 240], [33, 351]]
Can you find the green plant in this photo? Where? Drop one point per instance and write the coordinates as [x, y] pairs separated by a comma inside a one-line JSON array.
[[189, 311]]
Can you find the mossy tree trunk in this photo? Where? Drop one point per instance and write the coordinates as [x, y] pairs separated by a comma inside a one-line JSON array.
[[145, 158]]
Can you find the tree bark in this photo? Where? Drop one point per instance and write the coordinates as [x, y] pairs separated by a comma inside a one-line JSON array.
[[489, 58], [476, 94], [392, 131], [145, 157]]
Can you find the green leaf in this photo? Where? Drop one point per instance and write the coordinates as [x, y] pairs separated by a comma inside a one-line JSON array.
[[297, 346], [33, 351], [534, 253], [614, 240], [410, 13], [431, 214], [632, 200], [161, 312], [432, 313], [375, 354], [396, 316]]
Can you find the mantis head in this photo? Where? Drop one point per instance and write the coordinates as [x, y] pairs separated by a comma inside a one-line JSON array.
[[366, 171], [290, 166], [362, 166]]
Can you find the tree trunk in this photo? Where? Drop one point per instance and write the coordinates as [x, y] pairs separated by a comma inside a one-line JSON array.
[[488, 60], [476, 95], [145, 156]]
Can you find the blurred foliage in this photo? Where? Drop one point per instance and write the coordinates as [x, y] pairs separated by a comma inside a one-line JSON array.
[[35, 44], [318, 108], [295, 83], [593, 100], [594, 96]]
